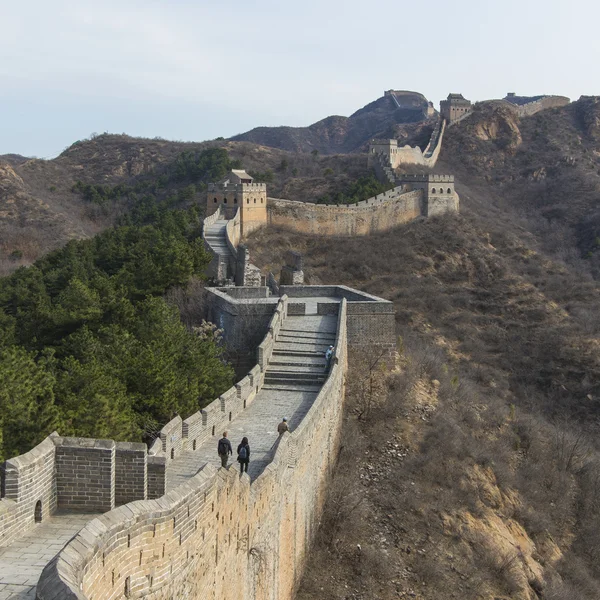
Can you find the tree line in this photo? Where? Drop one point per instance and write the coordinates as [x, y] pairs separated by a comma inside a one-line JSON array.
[[88, 345]]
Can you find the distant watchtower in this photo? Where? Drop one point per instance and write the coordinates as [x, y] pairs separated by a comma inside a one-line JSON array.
[[454, 108], [238, 190]]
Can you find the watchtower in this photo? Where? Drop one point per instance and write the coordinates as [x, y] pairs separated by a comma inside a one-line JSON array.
[[439, 195], [455, 107], [238, 190]]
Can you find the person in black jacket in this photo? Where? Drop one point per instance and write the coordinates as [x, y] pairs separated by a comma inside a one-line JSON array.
[[224, 449], [243, 451]]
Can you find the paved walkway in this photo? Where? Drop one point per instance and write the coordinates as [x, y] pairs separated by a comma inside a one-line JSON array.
[[292, 381], [22, 562]]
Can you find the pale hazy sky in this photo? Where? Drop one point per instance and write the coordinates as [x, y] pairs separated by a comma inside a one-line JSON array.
[[195, 70]]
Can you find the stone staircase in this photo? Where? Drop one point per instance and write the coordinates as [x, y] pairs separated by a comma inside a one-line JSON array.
[[214, 235], [298, 359]]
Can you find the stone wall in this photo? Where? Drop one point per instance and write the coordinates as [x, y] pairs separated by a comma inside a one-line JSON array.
[[545, 102], [28, 480], [216, 536], [371, 320], [131, 472], [381, 213], [243, 320], [218, 267], [385, 155], [85, 474]]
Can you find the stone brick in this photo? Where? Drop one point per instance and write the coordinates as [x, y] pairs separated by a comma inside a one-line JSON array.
[[85, 474]]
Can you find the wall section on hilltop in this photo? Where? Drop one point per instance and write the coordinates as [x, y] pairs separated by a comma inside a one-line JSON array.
[[383, 212]]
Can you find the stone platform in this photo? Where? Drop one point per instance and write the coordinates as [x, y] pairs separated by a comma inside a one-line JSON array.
[[22, 562]]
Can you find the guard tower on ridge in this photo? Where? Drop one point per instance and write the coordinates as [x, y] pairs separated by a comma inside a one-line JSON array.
[[238, 190]]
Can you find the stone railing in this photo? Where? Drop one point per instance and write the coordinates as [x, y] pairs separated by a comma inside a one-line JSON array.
[[265, 349], [217, 535], [29, 490], [212, 219], [233, 232]]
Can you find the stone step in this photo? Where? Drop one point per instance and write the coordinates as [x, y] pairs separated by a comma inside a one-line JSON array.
[[312, 349], [306, 341], [296, 368], [280, 375], [292, 388], [300, 361], [318, 335], [304, 353]]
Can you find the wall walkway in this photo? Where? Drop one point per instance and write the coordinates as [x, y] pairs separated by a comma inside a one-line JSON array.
[[213, 534]]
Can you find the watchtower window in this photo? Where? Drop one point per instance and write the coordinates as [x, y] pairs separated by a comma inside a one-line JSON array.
[[215, 200], [225, 200], [449, 191], [172, 453], [433, 190], [254, 200], [262, 200], [247, 200], [235, 200], [37, 516]]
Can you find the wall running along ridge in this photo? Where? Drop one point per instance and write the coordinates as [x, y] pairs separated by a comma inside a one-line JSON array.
[[380, 213], [217, 536], [535, 106], [390, 155]]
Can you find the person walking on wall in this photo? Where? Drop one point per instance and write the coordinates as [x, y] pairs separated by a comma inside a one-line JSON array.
[[328, 357], [283, 426], [243, 451], [224, 449]]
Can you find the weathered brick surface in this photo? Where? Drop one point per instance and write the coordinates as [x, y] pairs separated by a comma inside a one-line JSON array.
[[28, 479], [131, 472], [380, 213], [85, 474], [157, 476], [171, 438]]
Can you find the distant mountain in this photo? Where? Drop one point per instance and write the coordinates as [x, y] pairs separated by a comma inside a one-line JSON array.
[[396, 114], [13, 159]]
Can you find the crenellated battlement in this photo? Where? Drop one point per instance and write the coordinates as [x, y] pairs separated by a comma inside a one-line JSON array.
[[427, 177], [237, 187]]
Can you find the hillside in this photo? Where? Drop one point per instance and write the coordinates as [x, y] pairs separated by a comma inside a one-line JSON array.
[[40, 212], [544, 170], [334, 135], [471, 472]]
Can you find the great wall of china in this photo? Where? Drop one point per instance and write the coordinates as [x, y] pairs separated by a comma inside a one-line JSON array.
[[169, 522]]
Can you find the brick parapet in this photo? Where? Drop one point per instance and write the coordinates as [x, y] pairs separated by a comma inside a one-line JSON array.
[[237, 187], [28, 479], [171, 438], [131, 472], [85, 474]]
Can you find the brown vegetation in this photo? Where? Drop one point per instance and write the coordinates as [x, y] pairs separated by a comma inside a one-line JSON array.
[[494, 496]]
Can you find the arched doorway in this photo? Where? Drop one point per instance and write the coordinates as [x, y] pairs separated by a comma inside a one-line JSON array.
[[37, 515]]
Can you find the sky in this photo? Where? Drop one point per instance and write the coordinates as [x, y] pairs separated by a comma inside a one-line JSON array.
[[196, 70]]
